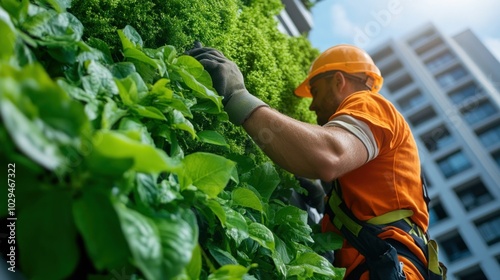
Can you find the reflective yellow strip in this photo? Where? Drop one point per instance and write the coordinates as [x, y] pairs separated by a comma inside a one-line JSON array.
[[390, 217], [341, 218], [433, 257]]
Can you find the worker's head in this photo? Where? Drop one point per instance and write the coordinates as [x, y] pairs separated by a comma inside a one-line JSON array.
[[336, 73]]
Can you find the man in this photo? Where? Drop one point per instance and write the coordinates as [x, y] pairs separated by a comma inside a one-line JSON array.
[[362, 143]]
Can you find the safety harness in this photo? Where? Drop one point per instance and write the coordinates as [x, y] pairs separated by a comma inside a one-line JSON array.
[[381, 255]]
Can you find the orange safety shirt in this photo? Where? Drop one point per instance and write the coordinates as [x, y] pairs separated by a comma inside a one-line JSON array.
[[389, 182]]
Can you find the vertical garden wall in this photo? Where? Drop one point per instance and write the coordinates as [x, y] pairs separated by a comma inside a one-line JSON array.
[[118, 159]]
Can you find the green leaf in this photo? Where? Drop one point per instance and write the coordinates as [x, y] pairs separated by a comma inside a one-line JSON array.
[[327, 241], [130, 38], [229, 272], [137, 55], [121, 70], [308, 264], [292, 224], [179, 237], [193, 268], [135, 129], [160, 88], [58, 5], [101, 230], [221, 257], [146, 158], [46, 236], [52, 27], [193, 67], [180, 122], [217, 209], [246, 198], [111, 114], [99, 80], [265, 187], [262, 235], [7, 30], [199, 89], [149, 112], [236, 226], [208, 172], [212, 137], [29, 137], [144, 241], [103, 48]]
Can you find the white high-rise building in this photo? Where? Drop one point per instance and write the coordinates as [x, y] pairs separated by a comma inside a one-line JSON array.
[[448, 89]]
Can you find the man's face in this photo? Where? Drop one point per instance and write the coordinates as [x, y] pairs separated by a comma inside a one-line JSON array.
[[326, 99]]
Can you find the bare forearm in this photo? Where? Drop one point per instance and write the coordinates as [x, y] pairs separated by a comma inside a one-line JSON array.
[[303, 149]]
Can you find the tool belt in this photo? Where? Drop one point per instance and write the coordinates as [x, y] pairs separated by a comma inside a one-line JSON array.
[[381, 255]]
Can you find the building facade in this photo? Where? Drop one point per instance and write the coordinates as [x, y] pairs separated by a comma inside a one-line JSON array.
[[448, 90], [295, 19]]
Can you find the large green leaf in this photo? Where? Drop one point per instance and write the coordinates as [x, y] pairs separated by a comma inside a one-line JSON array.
[[54, 28], [179, 237], [247, 198], [208, 172], [212, 137], [193, 269], [47, 239], [9, 36], [265, 187], [292, 224], [144, 241], [217, 209], [97, 221], [29, 137], [180, 122], [262, 235], [145, 158], [236, 226], [99, 80], [130, 38]]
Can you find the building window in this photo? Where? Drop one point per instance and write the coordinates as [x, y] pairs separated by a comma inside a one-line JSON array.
[[473, 195], [439, 61], [400, 83], [422, 116], [394, 66], [490, 229], [422, 38], [454, 164], [455, 248], [436, 213], [412, 100], [479, 112], [474, 273], [451, 77], [382, 54], [428, 181], [464, 93], [490, 136], [496, 157], [437, 138]]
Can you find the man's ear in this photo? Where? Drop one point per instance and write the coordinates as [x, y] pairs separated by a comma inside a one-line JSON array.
[[340, 81]]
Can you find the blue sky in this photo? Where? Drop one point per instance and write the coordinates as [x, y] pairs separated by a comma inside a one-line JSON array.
[[367, 23]]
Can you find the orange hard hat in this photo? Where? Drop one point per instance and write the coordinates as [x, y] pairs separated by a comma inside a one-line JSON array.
[[346, 58]]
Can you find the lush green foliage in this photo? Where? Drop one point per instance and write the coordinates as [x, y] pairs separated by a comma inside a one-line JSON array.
[[122, 164]]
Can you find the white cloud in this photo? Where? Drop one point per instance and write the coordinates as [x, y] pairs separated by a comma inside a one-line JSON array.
[[493, 44], [341, 24]]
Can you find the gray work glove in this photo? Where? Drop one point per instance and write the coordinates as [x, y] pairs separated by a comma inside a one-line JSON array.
[[228, 82]]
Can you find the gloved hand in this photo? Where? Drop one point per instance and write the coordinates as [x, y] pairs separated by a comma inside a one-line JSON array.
[[228, 82]]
